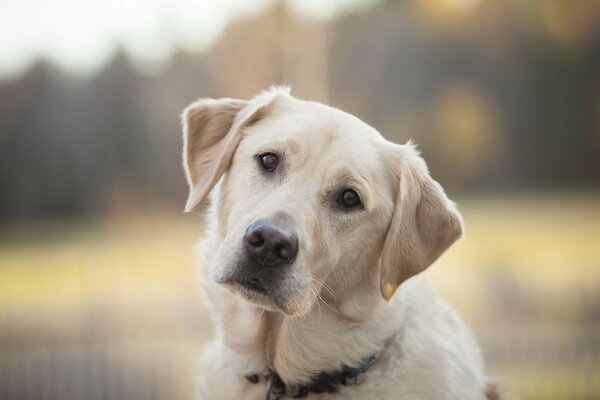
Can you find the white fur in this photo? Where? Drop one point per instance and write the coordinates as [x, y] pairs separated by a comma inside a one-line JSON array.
[[428, 352]]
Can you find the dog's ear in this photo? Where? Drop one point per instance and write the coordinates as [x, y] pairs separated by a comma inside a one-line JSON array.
[[424, 222], [212, 129]]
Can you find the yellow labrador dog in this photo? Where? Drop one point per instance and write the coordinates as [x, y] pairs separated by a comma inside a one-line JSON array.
[[317, 223]]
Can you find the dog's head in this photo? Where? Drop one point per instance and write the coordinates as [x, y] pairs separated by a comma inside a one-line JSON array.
[[311, 195]]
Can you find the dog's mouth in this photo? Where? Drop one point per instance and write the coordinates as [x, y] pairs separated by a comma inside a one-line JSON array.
[[275, 291], [249, 286], [257, 291], [253, 284], [254, 291]]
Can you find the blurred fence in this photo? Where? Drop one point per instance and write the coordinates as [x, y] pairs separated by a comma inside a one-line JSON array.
[[548, 360], [92, 371], [556, 359], [85, 354]]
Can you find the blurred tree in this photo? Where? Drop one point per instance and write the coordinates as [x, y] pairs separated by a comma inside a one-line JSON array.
[[501, 96]]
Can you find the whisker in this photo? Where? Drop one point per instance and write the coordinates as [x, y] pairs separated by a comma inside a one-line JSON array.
[[324, 285], [320, 298]]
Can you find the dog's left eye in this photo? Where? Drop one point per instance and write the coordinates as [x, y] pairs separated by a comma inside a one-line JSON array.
[[268, 161], [349, 199]]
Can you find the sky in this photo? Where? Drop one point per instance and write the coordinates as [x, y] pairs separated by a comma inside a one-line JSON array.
[[81, 36]]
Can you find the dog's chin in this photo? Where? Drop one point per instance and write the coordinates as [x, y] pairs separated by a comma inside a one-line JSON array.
[[256, 293], [253, 294]]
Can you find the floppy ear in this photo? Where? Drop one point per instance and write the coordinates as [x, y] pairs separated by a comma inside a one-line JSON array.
[[212, 129], [424, 223]]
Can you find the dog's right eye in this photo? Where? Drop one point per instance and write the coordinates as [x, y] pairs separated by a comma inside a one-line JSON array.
[[268, 161], [349, 199]]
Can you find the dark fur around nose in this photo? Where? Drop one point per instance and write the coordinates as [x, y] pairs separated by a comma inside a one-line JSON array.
[[270, 243]]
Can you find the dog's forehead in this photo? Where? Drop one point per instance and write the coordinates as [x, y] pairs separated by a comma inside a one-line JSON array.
[[347, 141], [332, 123], [315, 127]]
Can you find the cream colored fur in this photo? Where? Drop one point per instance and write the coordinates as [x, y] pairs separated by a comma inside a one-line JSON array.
[[336, 310]]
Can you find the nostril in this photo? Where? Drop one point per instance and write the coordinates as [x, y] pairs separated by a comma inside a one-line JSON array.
[[287, 250], [283, 251], [255, 238]]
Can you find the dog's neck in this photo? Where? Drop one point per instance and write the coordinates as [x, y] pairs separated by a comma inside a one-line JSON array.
[[299, 348], [325, 340]]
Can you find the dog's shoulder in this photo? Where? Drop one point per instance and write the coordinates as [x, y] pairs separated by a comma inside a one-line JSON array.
[[434, 356]]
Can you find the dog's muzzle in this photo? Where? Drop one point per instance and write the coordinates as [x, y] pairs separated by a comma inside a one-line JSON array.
[[268, 251]]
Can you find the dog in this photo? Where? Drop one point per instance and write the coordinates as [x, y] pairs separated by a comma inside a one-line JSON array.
[[316, 229]]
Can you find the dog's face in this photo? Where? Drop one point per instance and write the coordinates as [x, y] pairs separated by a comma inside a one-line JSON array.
[[310, 193], [307, 191]]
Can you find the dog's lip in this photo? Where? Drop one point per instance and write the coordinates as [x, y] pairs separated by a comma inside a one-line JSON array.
[[252, 284], [248, 283], [252, 289]]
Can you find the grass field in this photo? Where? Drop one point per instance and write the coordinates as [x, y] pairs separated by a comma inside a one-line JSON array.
[[121, 292]]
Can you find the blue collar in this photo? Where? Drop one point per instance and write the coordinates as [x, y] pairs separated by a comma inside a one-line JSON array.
[[324, 382]]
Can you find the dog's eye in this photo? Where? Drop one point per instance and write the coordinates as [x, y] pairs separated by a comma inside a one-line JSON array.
[[349, 199], [268, 161]]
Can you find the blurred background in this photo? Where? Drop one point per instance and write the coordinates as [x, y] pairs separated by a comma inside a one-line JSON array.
[[99, 292]]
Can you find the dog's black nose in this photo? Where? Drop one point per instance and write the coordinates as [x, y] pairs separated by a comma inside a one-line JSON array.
[[270, 242]]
